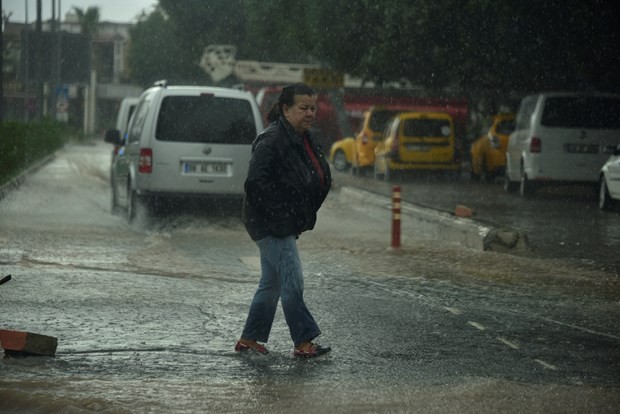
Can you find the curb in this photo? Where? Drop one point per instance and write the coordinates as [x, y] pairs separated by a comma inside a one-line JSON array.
[[440, 225], [16, 182]]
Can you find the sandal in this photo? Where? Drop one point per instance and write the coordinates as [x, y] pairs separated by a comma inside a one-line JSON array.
[[241, 347], [312, 352]]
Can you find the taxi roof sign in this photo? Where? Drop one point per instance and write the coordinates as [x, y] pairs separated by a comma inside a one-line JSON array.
[[323, 78]]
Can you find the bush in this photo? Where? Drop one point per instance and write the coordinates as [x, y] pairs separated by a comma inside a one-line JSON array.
[[22, 145]]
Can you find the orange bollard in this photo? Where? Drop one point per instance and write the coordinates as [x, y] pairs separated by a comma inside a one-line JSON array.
[[396, 216]]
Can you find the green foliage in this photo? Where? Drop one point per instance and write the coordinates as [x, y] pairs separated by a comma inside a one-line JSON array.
[[89, 19], [157, 53], [474, 45], [279, 31], [198, 23], [22, 145]]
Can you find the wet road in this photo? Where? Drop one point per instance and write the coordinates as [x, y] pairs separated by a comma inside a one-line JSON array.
[[560, 222], [147, 315]]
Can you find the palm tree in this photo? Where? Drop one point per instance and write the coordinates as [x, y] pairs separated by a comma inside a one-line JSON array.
[[89, 19]]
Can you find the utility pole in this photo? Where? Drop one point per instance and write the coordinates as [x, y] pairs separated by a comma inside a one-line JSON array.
[[53, 82], [38, 74], [1, 66], [26, 71], [56, 70]]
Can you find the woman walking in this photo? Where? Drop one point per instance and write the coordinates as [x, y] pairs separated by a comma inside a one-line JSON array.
[[288, 180]]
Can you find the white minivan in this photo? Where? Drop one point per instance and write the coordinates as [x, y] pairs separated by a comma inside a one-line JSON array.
[[561, 138], [609, 182], [182, 142]]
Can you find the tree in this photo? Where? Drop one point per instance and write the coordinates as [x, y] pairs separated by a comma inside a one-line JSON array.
[[198, 23], [275, 33], [157, 53], [477, 46], [88, 20]]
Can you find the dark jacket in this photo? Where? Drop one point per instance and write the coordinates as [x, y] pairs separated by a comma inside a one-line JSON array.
[[282, 190]]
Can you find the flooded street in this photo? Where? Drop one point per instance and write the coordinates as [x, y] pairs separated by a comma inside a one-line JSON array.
[[560, 222], [147, 315]]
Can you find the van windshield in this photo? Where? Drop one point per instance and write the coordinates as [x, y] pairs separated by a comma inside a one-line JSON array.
[[378, 119], [206, 119], [427, 128], [582, 112]]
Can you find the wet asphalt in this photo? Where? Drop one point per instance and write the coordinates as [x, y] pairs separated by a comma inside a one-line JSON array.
[[147, 314]]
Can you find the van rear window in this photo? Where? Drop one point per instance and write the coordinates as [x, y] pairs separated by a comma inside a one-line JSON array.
[[427, 128], [206, 119], [582, 112]]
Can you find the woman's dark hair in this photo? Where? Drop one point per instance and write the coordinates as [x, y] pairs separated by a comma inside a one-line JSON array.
[[287, 97]]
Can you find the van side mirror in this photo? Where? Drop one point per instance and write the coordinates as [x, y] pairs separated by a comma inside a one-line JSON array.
[[113, 136]]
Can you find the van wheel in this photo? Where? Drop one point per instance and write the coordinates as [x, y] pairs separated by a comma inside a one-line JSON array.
[[388, 174], [135, 206], [476, 176], [605, 202], [131, 205], [114, 201], [353, 168], [494, 175], [473, 176], [488, 175], [510, 186], [526, 187], [340, 161], [376, 174]]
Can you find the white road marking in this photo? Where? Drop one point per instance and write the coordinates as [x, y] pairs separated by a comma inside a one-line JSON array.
[[546, 365], [454, 311], [579, 328], [507, 342], [477, 325]]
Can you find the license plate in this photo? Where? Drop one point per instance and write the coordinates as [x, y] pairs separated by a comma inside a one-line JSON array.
[[582, 148], [417, 147], [204, 167]]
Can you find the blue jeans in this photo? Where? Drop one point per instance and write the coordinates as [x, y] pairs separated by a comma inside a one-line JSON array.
[[282, 278]]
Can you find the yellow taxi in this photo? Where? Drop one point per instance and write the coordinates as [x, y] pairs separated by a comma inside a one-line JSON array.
[[341, 153], [366, 140], [417, 141], [488, 153]]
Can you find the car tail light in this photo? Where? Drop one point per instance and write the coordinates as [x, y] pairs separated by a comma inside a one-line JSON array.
[[535, 145], [145, 163]]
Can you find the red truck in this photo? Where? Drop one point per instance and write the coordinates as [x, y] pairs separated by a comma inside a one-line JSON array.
[[330, 123], [359, 100], [341, 115]]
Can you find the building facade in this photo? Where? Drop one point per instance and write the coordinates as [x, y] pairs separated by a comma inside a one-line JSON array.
[[67, 75]]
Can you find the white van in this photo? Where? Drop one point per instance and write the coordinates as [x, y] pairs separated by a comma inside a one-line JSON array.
[[561, 138], [185, 141]]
